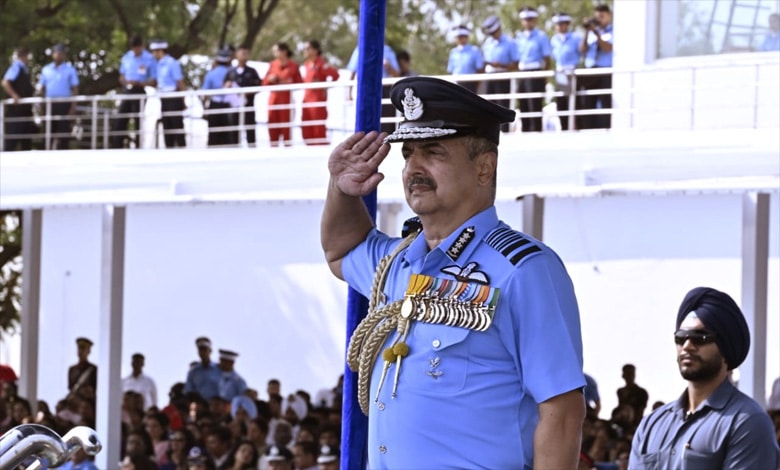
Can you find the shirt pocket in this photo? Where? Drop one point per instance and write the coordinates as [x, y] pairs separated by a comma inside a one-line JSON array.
[[645, 462], [695, 460], [438, 359]]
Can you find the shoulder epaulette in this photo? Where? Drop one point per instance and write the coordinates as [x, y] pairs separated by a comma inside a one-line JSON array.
[[513, 245]]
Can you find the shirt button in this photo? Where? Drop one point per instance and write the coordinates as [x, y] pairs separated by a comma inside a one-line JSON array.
[[382, 449], [674, 451], [436, 343], [381, 406]]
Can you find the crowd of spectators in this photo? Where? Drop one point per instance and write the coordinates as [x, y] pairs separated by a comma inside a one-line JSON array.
[[576, 43], [214, 421], [210, 421]]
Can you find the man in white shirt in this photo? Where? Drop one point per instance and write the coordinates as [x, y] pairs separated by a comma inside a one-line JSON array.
[[138, 382]]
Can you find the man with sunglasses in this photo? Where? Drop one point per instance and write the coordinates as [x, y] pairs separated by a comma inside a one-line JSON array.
[[712, 424]]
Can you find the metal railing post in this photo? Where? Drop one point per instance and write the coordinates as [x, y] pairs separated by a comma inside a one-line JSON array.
[[2, 123], [631, 102], [693, 97], [93, 125], [572, 100], [47, 125], [242, 123], [755, 97], [106, 129], [512, 92]]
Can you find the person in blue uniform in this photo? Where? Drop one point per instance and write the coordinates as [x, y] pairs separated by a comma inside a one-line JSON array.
[[390, 68], [465, 58], [217, 105], [481, 366], [19, 124], [596, 45], [203, 378], [137, 70], [500, 54], [170, 78], [59, 80], [566, 54], [772, 39], [712, 424], [533, 45], [231, 384]]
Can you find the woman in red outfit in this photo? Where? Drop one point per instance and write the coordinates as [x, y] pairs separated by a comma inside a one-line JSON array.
[[283, 70], [314, 109]]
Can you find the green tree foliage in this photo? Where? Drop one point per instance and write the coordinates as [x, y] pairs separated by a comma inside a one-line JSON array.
[[10, 271], [97, 31]]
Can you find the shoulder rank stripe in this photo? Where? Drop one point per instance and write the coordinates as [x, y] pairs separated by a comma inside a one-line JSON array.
[[507, 242]]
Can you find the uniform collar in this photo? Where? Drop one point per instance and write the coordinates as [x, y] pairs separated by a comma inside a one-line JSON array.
[[481, 224], [717, 400]]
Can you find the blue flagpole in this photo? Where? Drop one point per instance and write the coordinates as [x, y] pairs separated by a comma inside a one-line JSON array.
[[371, 41]]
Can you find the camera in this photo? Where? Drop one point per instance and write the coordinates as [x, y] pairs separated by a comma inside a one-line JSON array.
[[591, 22]]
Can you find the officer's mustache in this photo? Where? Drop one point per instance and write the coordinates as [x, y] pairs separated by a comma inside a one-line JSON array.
[[420, 180]]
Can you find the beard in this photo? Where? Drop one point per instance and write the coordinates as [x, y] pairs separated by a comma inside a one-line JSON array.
[[701, 370]]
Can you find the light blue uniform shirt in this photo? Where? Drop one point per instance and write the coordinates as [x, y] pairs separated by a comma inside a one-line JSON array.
[[593, 56], [59, 80], [203, 380], [85, 465], [388, 55], [728, 430], [138, 68], [771, 42], [565, 50], [465, 60], [168, 73], [502, 50], [532, 46], [214, 80], [14, 69], [231, 385], [468, 399]]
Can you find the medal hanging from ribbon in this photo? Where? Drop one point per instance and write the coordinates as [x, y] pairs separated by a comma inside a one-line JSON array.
[[439, 301], [449, 302]]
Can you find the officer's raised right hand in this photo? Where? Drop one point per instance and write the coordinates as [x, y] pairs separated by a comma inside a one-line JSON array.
[[353, 164]]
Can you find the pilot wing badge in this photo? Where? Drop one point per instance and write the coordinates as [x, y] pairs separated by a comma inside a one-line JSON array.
[[468, 273]]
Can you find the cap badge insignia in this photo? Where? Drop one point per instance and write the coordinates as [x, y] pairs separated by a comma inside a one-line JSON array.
[[413, 107]]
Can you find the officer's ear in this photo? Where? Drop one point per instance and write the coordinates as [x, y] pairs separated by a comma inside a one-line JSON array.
[[486, 167]]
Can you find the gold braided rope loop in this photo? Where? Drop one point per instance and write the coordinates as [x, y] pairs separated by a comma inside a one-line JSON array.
[[371, 349], [371, 333]]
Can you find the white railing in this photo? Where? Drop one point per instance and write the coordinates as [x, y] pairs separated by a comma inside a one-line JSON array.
[[684, 97]]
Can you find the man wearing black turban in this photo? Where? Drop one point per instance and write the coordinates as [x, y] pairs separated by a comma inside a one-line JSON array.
[[712, 424]]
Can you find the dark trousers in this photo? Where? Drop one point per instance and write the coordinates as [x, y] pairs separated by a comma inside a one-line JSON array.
[[388, 110], [562, 103], [595, 121], [249, 125], [19, 126], [531, 105], [119, 124], [173, 124], [60, 126], [502, 87], [217, 121]]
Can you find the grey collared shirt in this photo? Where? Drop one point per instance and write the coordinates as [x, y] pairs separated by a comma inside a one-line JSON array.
[[728, 430]]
